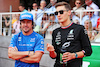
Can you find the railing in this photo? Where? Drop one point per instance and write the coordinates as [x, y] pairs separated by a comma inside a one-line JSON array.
[[81, 11], [1, 21], [5, 41], [10, 15]]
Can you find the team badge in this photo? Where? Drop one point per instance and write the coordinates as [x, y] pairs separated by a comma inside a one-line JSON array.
[[58, 38], [70, 35], [19, 38]]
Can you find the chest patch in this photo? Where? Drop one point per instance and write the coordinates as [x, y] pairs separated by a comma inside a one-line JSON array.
[[70, 35]]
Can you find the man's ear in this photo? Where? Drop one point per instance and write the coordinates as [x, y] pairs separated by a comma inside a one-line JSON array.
[[69, 12], [75, 3], [32, 26]]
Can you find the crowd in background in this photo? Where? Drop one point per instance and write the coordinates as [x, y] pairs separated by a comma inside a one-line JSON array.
[[45, 20]]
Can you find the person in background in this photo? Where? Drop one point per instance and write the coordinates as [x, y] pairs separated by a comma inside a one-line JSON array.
[[90, 3], [70, 43], [16, 25], [22, 8], [5, 25], [13, 18], [98, 23], [27, 47], [97, 37], [35, 6], [91, 33], [91, 16], [76, 14], [41, 11], [44, 24], [52, 9], [52, 26], [43, 6], [35, 9]]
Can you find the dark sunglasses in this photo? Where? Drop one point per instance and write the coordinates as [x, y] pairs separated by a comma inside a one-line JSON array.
[[34, 5], [51, 14], [78, 3], [61, 12], [89, 12]]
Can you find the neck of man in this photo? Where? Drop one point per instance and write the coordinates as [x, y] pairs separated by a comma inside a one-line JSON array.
[[35, 9], [23, 9], [78, 7], [90, 17], [66, 23], [42, 7], [86, 29], [90, 3], [27, 33], [53, 4]]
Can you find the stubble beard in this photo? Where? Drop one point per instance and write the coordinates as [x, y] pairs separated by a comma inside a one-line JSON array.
[[26, 31]]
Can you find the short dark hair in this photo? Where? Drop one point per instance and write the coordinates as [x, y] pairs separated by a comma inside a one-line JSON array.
[[32, 23], [52, 14], [21, 5], [45, 14], [35, 3], [67, 6], [78, 0]]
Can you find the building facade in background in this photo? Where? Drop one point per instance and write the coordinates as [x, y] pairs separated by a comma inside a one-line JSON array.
[[5, 4]]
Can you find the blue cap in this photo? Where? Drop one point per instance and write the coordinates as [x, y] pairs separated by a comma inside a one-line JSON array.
[[27, 16]]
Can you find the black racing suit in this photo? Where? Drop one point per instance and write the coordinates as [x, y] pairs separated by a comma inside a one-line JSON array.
[[76, 38]]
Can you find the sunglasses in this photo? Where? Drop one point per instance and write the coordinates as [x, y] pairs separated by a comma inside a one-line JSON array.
[[61, 12], [34, 5], [51, 14], [78, 3], [89, 12]]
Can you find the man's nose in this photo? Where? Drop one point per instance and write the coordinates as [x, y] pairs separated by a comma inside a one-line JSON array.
[[25, 23], [58, 14]]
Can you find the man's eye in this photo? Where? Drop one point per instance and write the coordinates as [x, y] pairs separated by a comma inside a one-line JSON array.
[[28, 21], [22, 21]]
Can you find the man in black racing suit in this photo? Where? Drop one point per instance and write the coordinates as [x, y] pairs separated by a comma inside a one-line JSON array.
[[70, 42]]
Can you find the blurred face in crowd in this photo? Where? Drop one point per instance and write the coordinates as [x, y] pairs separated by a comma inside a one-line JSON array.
[[88, 2], [63, 14], [53, 2], [90, 14], [35, 6], [17, 16], [88, 27], [86, 24], [21, 8], [98, 28], [78, 3], [26, 26], [45, 17], [43, 4], [13, 15], [52, 18]]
